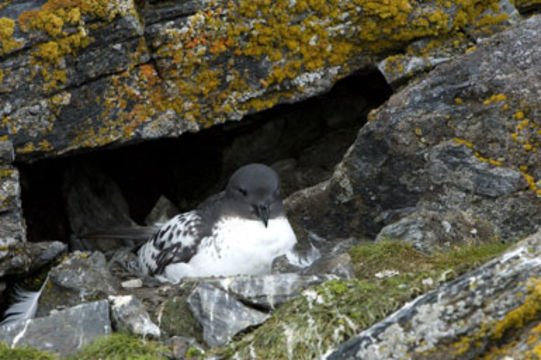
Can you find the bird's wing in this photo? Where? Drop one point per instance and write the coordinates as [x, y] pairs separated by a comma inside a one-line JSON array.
[[177, 241]]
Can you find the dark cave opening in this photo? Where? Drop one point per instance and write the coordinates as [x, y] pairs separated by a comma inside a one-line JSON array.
[[302, 141]]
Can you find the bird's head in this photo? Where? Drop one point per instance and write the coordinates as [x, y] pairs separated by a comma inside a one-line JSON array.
[[254, 191]]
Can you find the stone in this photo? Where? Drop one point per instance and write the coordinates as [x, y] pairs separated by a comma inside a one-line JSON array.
[[94, 206], [132, 284], [430, 231], [268, 291], [128, 314], [467, 317], [461, 138], [221, 315], [25, 257], [81, 277], [335, 264], [62, 333], [161, 212], [180, 345], [12, 226], [81, 83]]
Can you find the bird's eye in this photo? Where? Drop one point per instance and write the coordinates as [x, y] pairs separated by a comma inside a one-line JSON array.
[[242, 191]]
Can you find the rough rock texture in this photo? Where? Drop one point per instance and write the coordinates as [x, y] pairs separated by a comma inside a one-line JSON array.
[[128, 314], [85, 74], [94, 205], [81, 277], [428, 231], [63, 332], [12, 227], [268, 291], [467, 142], [23, 257], [478, 312], [221, 315]]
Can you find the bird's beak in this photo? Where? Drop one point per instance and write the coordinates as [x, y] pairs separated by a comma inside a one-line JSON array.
[[263, 211]]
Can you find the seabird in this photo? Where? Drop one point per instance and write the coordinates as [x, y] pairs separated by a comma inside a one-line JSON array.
[[237, 232]]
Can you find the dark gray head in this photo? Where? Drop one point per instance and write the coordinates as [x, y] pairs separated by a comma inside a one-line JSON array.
[[253, 191]]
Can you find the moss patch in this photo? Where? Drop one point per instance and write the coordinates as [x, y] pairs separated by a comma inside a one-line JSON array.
[[24, 353], [326, 315], [122, 347]]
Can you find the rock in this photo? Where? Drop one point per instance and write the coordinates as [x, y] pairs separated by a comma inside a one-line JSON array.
[[24, 257], [161, 212], [12, 227], [132, 284], [128, 314], [282, 265], [110, 74], [180, 346], [221, 315], [464, 137], [94, 205], [268, 291], [473, 315], [339, 265], [63, 332], [525, 6], [430, 231], [81, 277]]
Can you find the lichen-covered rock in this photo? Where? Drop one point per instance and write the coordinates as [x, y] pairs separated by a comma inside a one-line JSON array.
[[24, 257], [465, 137], [81, 277], [128, 314], [64, 332], [466, 318], [77, 74], [221, 315], [12, 227]]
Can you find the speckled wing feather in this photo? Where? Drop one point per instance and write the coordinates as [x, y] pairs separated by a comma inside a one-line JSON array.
[[177, 241]]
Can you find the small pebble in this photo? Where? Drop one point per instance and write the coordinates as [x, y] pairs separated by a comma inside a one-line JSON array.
[[132, 284]]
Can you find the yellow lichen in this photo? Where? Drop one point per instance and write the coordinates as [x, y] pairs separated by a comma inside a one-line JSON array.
[[7, 27], [495, 98], [526, 312]]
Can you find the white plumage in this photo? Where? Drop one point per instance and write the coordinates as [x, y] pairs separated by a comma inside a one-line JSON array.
[[237, 233]]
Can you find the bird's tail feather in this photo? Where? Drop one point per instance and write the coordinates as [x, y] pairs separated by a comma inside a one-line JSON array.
[[132, 233], [25, 306]]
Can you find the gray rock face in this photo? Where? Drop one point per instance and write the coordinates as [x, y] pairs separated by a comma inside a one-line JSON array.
[[12, 227], [82, 277], [63, 332], [428, 231], [463, 138], [161, 212], [94, 205], [24, 257], [220, 314], [463, 318], [129, 314], [268, 291]]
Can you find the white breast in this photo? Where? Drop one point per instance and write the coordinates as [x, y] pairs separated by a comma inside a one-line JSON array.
[[241, 247]]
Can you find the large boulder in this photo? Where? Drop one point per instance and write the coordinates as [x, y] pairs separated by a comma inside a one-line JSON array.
[[85, 74], [64, 332], [492, 308], [463, 138]]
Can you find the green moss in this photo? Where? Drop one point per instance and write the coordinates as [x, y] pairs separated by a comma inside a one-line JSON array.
[[326, 315], [122, 347], [24, 353]]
